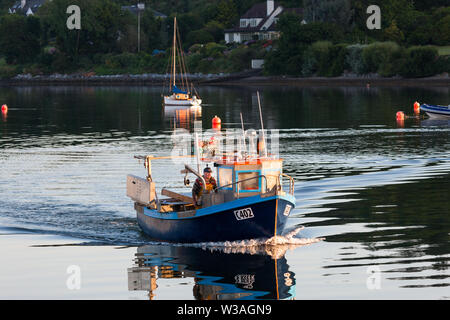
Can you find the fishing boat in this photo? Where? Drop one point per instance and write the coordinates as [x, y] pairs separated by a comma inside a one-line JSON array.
[[253, 198], [436, 111], [179, 97], [249, 203]]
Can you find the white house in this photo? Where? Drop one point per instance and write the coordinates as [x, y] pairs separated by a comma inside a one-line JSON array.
[[27, 7], [258, 23]]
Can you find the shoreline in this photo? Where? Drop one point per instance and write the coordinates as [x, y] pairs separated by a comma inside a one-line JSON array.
[[341, 81], [250, 78]]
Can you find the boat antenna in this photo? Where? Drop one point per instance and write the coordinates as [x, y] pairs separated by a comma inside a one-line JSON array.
[[243, 131], [197, 151], [262, 125]]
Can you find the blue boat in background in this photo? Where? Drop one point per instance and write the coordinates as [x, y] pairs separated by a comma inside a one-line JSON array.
[[436, 111], [250, 202]]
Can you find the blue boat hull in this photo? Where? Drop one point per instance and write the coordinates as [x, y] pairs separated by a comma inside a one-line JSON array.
[[436, 111], [225, 222]]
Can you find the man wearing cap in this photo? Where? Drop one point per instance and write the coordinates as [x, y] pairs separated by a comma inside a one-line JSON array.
[[197, 189]]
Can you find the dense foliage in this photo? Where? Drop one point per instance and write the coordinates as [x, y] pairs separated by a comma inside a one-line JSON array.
[[414, 39]]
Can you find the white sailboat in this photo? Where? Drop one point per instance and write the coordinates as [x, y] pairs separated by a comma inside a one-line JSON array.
[[179, 97]]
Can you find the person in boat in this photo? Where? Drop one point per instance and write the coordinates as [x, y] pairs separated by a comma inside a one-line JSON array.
[[197, 189]]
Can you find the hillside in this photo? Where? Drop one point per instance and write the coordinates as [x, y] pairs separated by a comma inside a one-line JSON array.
[[413, 41]]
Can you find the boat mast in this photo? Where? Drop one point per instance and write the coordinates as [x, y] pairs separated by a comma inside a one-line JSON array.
[[174, 47]]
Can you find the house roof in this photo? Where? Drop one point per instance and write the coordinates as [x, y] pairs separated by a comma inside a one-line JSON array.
[[34, 5], [259, 10]]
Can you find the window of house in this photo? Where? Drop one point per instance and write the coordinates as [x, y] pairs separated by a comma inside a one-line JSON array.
[[246, 37], [243, 23], [253, 23]]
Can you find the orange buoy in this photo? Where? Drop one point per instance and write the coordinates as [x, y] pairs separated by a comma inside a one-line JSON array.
[[216, 123], [416, 107], [4, 108], [400, 115]]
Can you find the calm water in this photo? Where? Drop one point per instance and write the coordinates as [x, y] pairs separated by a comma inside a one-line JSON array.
[[372, 218]]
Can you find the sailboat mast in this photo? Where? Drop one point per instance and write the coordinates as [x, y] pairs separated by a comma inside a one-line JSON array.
[[174, 47]]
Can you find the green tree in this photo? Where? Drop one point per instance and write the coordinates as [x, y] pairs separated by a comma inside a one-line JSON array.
[[186, 23], [382, 58], [151, 27], [421, 61], [393, 33], [339, 11], [20, 40], [419, 32], [198, 36], [215, 29], [101, 23], [428, 4], [441, 28], [227, 13]]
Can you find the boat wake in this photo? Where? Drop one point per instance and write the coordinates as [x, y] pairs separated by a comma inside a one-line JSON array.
[[275, 247]]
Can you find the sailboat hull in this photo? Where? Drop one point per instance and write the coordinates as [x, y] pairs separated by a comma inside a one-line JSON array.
[[172, 101]]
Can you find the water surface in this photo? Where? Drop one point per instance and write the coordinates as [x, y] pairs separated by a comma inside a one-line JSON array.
[[372, 218]]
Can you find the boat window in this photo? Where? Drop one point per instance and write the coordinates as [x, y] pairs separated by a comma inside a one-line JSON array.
[[272, 179], [225, 177], [252, 184]]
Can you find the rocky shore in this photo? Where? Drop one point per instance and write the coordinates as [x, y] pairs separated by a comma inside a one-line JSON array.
[[91, 78], [252, 77]]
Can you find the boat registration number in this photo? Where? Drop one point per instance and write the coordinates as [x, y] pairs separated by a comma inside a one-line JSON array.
[[243, 214], [287, 209]]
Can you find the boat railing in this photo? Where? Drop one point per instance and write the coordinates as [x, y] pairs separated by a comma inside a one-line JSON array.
[[291, 183]]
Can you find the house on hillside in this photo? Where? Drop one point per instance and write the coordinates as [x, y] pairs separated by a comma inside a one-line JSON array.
[[26, 7], [259, 22]]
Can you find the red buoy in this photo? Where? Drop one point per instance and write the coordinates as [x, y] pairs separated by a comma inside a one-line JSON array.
[[4, 108], [416, 107], [400, 115], [216, 123]]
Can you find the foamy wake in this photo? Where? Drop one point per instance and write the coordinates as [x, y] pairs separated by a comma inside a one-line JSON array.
[[276, 246]]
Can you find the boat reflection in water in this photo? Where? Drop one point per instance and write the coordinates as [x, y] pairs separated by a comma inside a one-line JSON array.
[[182, 117], [222, 273]]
